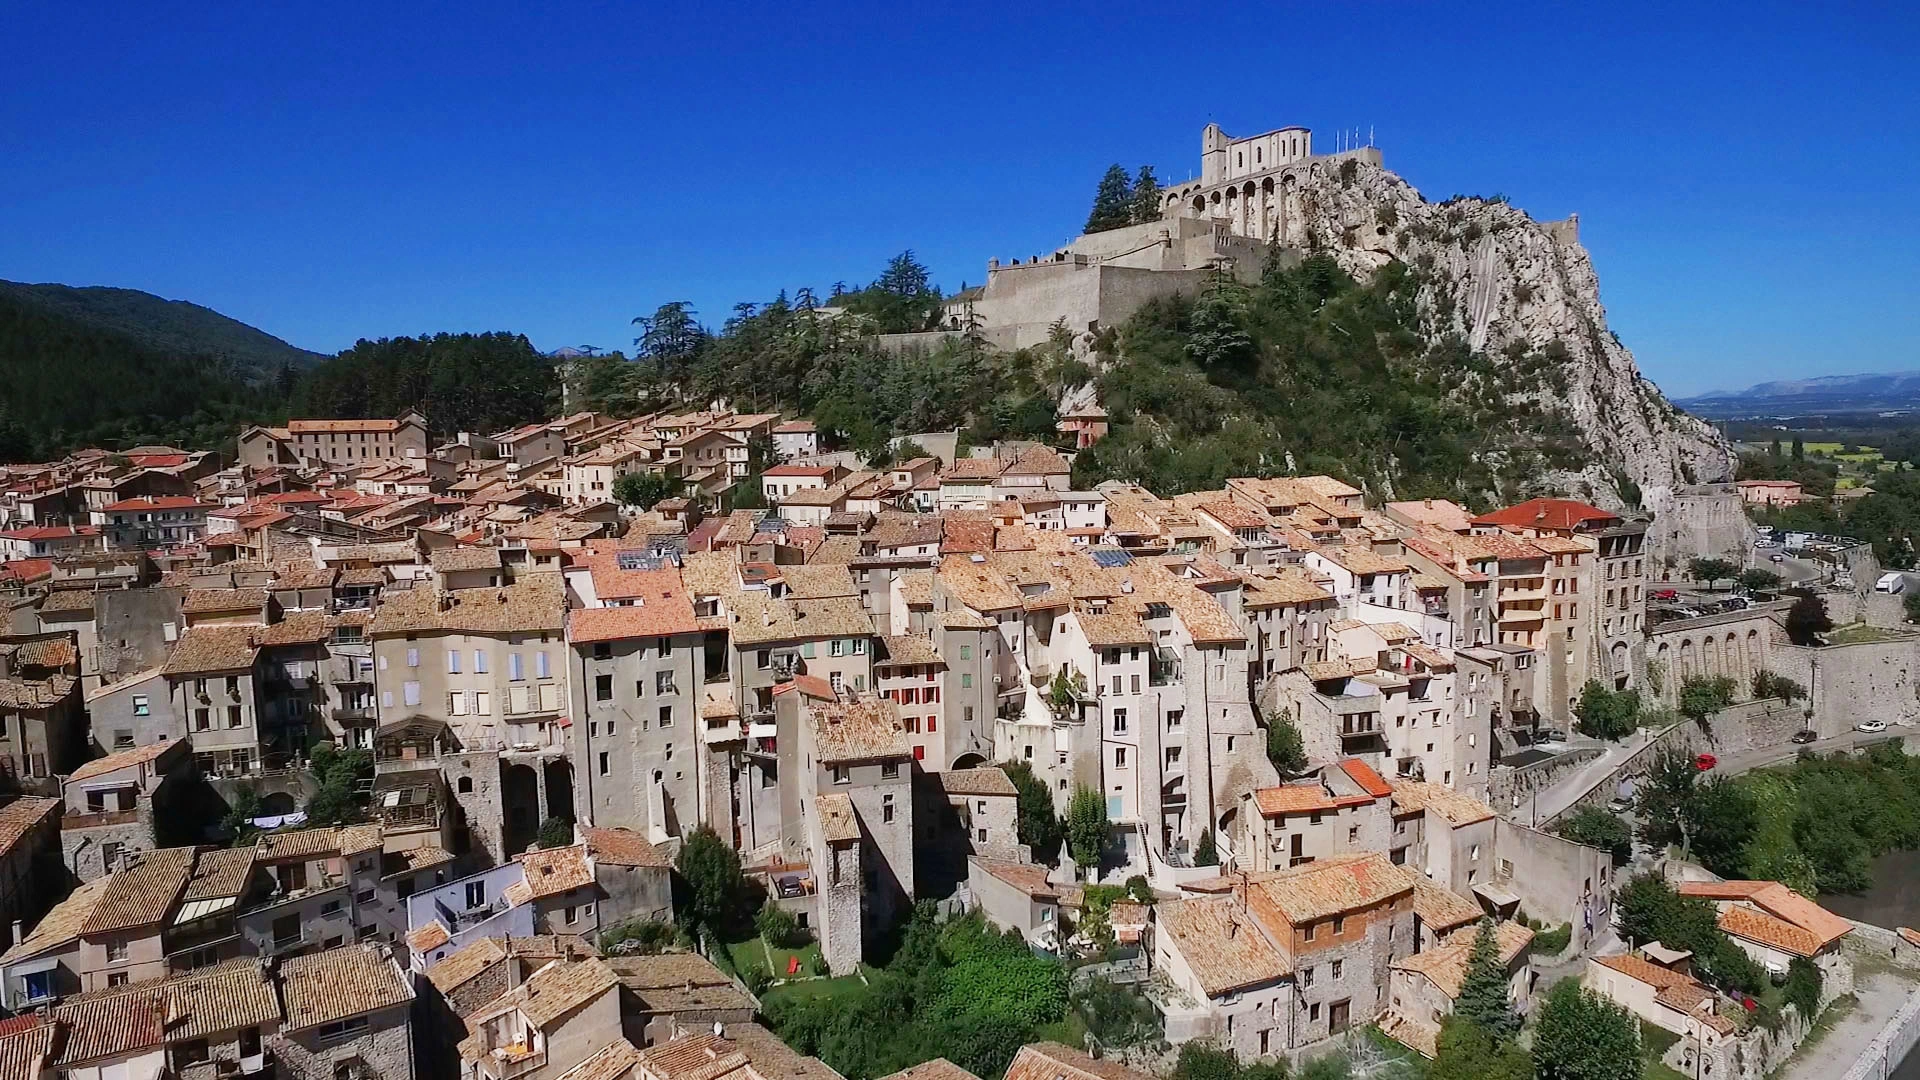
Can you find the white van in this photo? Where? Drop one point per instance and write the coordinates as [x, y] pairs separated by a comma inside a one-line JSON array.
[[1890, 583]]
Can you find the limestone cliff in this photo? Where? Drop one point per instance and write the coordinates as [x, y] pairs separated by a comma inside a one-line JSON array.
[[1512, 286]]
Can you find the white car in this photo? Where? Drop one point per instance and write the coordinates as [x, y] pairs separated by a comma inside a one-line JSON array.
[[1871, 727]]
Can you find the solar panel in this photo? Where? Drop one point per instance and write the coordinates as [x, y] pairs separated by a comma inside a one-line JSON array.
[[1110, 557], [637, 560]]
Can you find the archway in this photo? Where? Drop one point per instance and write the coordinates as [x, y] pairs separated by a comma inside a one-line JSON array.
[[968, 761], [519, 805]]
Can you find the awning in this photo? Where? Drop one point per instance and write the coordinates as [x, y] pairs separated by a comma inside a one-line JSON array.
[[200, 909], [1496, 896]]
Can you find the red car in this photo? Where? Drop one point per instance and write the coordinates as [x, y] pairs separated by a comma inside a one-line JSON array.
[[1705, 762], [1666, 594]]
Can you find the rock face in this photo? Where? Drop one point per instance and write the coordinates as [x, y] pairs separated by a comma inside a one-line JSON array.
[[1511, 286]]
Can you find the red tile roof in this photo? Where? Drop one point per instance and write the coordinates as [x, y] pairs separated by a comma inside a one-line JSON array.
[[1552, 514], [164, 502], [1363, 774]]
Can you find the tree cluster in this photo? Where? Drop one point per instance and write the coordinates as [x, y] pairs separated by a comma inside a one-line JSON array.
[[1607, 714], [459, 382], [1309, 371], [1819, 823], [341, 776], [1120, 200], [962, 991], [1595, 827], [1038, 826], [1650, 910], [717, 897]]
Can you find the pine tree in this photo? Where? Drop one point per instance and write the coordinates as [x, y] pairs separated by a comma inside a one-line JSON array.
[[1146, 197], [1799, 449], [1112, 208], [1483, 994]]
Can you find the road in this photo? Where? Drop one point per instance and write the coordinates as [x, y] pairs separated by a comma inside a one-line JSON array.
[[1560, 795]]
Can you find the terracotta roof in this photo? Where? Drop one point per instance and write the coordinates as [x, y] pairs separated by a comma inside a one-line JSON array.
[[552, 871], [866, 729], [535, 603], [1558, 515], [1758, 926], [425, 939], [20, 816], [555, 990], [660, 617], [464, 964], [1779, 901], [1029, 878], [143, 895], [624, 847], [199, 601], [1220, 943], [206, 650], [969, 470], [218, 999], [1442, 908], [986, 780], [1306, 797], [611, 1062], [66, 600], [1331, 886], [1445, 965], [838, 822], [111, 1025], [1039, 461], [907, 649], [219, 873], [26, 1051], [60, 925], [758, 618], [1052, 1061], [455, 559], [1369, 780], [937, 1069], [1456, 807], [323, 987], [298, 427]]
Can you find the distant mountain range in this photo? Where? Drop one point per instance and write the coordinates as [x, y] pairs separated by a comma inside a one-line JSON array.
[[1879, 392], [165, 326]]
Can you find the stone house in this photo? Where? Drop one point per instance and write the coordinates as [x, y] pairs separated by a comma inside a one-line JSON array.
[[347, 1015], [673, 992], [540, 1029], [449, 918], [135, 711], [975, 811], [212, 679], [1425, 986], [1339, 808], [633, 878], [1211, 949], [1017, 896], [107, 933], [29, 847], [1662, 994], [215, 1021], [1774, 924], [113, 804], [42, 719]]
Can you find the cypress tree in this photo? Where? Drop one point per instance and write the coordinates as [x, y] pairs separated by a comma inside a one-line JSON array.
[[1112, 205], [1483, 994], [1146, 197]]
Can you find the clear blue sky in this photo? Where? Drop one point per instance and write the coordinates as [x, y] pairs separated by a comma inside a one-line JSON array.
[[1748, 177]]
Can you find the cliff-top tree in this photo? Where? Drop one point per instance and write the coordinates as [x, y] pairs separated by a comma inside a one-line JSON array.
[[1483, 993], [1807, 619], [1087, 828], [1112, 201], [1146, 197]]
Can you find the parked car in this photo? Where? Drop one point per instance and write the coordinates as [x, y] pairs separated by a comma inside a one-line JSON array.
[[1618, 805], [1805, 736], [1666, 594], [1777, 557], [1871, 727], [1705, 762]]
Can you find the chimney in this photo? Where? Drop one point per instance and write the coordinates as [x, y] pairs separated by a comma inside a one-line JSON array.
[[19, 931]]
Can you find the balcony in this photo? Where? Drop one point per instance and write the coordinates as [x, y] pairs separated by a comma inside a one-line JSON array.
[[507, 1062], [99, 819]]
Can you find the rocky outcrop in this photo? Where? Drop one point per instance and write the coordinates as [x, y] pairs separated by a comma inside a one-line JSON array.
[[1524, 293]]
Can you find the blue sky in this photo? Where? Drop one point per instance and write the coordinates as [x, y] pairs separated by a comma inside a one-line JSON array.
[[1748, 178]]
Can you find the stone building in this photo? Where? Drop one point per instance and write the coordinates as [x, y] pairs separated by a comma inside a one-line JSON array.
[[42, 719], [114, 804], [1425, 986], [543, 1027], [347, 1016]]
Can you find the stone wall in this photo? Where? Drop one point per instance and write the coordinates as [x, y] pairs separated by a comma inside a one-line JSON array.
[[1557, 880], [1849, 683], [386, 1048], [480, 807], [1508, 787], [1895, 1040]]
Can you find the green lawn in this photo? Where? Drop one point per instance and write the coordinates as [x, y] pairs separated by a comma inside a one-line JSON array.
[[1655, 1041], [809, 989], [752, 953], [1856, 633]]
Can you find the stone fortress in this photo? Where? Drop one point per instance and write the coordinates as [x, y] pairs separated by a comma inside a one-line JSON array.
[[1246, 197]]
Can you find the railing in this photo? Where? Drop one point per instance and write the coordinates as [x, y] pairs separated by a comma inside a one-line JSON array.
[[512, 1065], [99, 818]]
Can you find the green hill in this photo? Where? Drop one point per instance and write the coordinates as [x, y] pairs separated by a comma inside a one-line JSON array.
[[73, 378], [166, 326]]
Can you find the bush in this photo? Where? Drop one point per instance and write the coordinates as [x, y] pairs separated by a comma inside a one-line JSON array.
[[1595, 827], [1607, 714], [777, 925], [1802, 990], [554, 832], [1140, 889], [641, 937]]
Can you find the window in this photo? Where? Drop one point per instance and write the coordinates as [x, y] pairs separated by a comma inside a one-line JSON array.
[[516, 670], [342, 1030], [117, 951], [666, 716], [233, 716], [603, 688], [476, 894], [886, 808], [410, 693], [413, 657], [604, 768], [1306, 978], [840, 774], [1339, 925], [1307, 933], [966, 652], [331, 907], [483, 702], [122, 738], [763, 659], [453, 661], [479, 662], [456, 704], [966, 681], [663, 682], [1338, 965], [603, 650], [464, 786], [540, 669], [140, 706], [889, 770], [834, 647], [190, 1053], [1119, 721], [1119, 757]]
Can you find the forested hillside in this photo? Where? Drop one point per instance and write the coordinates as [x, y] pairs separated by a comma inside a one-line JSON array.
[[71, 383], [167, 326], [459, 382]]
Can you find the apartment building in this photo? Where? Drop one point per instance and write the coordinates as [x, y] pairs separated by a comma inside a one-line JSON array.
[[337, 443]]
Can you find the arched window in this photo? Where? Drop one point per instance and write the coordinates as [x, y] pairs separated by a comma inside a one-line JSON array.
[[465, 785]]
